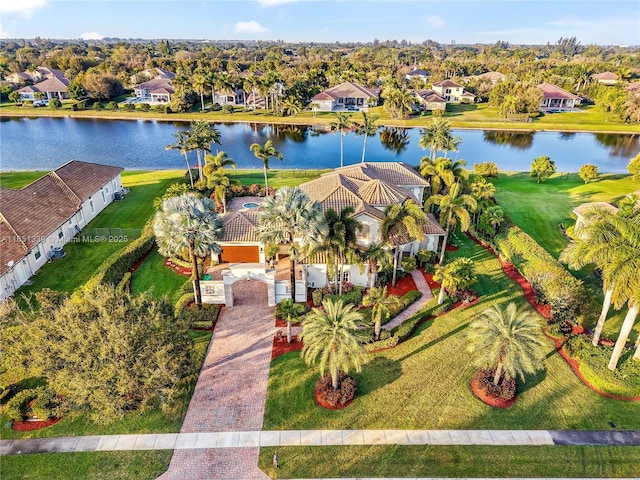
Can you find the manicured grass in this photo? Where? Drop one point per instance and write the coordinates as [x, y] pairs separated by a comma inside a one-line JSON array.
[[590, 118], [277, 178], [18, 179], [424, 382], [451, 461], [155, 277], [539, 209], [86, 466]]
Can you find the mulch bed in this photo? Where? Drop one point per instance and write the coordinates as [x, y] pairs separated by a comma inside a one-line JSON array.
[[29, 426], [283, 323], [489, 400], [452, 248], [328, 406], [143, 258], [280, 346], [179, 269], [429, 279], [574, 363], [403, 286]]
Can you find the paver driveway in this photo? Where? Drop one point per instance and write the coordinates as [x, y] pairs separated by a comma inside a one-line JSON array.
[[231, 390]]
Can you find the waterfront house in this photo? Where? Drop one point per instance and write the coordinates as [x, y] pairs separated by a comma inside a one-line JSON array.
[[493, 77], [556, 99], [605, 78], [453, 92], [51, 82], [36, 221], [348, 96], [429, 100], [157, 90]]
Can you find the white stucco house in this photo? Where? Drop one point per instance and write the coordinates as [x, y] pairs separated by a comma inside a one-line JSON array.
[[348, 96], [453, 92], [39, 219]]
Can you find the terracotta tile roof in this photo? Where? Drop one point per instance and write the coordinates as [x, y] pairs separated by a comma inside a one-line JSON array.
[[241, 226], [634, 87], [395, 173], [430, 96], [553, 91], [346, 89], [432, 227], [53, 84], [492, 76], [11, 248], [447, 84], [84, 178], [605, 76], [377, 192]]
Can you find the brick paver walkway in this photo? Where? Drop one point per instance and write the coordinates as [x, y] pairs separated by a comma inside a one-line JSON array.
[[423, 287], [231, 390]]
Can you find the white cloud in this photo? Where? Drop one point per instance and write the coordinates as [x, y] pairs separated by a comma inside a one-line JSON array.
[[273, 3], [23, 7], [91, 36], [571, 21], [249, 27], [436, 21]]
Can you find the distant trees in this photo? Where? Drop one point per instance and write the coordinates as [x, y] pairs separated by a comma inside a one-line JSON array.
[[102, 86], [542, 168], [486, 169], [588, 172], [514, 98]]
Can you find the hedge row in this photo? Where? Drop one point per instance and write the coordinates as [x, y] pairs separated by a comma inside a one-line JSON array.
[[552, 283], [114, 268]]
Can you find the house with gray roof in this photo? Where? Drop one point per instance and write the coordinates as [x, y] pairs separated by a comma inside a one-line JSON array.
[[36, 221], [348, 96]]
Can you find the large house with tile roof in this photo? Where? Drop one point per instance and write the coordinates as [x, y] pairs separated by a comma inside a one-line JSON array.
[[366, 187], [556, 99], [53, 84], [39, 219], [348, 96], [157, 90], [453, 92]]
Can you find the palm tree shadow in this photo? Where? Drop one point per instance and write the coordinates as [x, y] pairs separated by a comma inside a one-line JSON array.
[[378, 373], [531, 381]]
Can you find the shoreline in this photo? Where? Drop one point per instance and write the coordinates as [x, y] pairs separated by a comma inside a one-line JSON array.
[[510, 127]]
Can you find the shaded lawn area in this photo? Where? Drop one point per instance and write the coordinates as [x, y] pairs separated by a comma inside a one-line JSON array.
[[539, 209], [86, 465], [424, 382], [277, 178], [84, 257], [155, 277], [152, 421], [451, 461]]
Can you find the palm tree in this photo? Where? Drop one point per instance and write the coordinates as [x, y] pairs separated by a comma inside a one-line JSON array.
[[454, 206], [291, 218], [367, 128], [442, 173], [343, 122], [456, 275], [201, 135], [381, 306], [264, 154], [437, 137], [200, 86], [314, 107], [188, 224], [291, 106], [332, 335], [509, 340], [340, 237], [290, 311], [211, 81], [376, 252], [182, 144], [401, 224], [217, 178], [482, 190]]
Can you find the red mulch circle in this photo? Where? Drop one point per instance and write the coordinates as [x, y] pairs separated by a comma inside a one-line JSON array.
[[179, 269], [283, 323], [403, 286], [429, 279], [575, 366], [489, 400], [280, 346], [452, 248], [324, 404], [29, 426]]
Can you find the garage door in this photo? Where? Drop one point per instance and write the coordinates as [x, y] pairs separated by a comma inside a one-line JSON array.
[[232, 254]]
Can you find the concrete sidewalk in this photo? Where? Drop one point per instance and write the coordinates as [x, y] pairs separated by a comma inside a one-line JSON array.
[[292, 438]]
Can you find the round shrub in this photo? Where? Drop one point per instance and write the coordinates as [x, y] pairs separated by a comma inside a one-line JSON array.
[[409, 264], [228, 109], [41, 403], [317, 297], [145, 107]]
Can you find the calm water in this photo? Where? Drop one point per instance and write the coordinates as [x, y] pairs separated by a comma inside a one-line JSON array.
[[45, 143]]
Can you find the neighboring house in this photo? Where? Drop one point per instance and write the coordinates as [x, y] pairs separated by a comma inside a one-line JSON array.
[[34, 76], [417, 74], [555, 98], [582, 209], [493, 77], [633, 87], [347, 96], [19, 77], [606, 78], [39, 219], [430, 100], [152, 73], [158, 89], [53, 85], [453, 92]]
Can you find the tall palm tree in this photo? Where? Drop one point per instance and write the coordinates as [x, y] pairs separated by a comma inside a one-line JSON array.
[[264, 153], [342, 123], [375, 253], [291, 218], [340, 237], [442, 173], [290, 311], [200, 86], [454, 206], [188, 224], [331, 333], [509, 340], [381, 306], [217, 178], [458, 274], [482, 190], [211, 81], [437, 137], [183, 145], [201, 135], [402, 224], [367, 128]]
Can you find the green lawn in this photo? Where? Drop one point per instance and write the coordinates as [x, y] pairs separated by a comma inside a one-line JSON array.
[[155, 277], [539, 209], [86, 466], [277, 178]]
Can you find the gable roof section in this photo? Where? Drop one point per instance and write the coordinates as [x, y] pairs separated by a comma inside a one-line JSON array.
[[241, 226], [84, 178], [553, 91], [605, 76], [430, 96], [395, 173], [346, 89], [12, 249], [53, 84], [447, 84]]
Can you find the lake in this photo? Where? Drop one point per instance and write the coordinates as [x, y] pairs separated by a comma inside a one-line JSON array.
[[45, 143]]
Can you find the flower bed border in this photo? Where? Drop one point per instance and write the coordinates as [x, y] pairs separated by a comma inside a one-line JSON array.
[[29, 426], [281, 346], [489, 400], [324, 404]]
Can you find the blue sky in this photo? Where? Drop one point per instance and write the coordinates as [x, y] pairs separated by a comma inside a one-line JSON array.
[[472, 21]]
